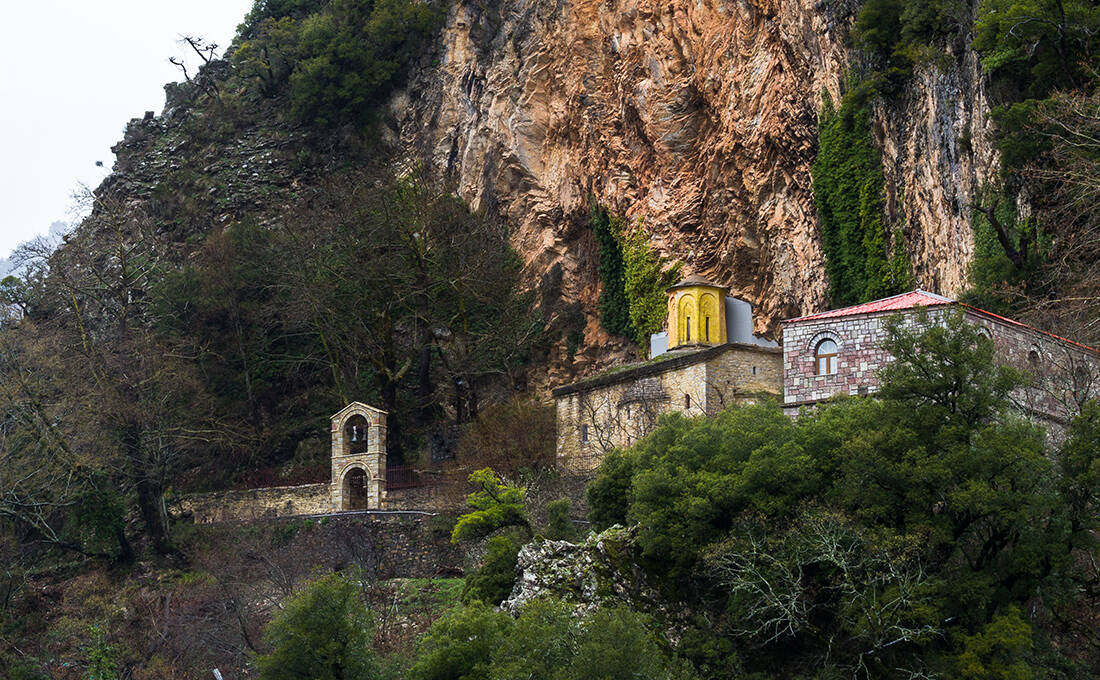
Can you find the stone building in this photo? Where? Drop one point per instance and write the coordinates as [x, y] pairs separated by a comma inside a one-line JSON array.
[[358, 457], [708, 359], [840, 352]]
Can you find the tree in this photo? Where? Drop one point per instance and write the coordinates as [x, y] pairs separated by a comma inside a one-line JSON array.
[[495, 505], [1041, 45], [549, 642], [323, 633], [136, 407], [403, 286], [493, 580], [353, 52], [460, 645], [509, 436], [944, 373]]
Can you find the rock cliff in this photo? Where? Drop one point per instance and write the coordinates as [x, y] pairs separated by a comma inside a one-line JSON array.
[[698, 118]]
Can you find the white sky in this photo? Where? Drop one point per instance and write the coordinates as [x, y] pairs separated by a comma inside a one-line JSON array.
[[72, 73]]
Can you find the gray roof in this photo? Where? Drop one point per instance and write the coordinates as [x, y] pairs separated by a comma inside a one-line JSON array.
[[695, 280]]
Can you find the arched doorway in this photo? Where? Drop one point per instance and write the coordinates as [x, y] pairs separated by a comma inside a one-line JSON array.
[[355, 494]]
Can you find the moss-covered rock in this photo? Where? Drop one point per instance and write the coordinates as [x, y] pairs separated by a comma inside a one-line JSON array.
[[601, 569]]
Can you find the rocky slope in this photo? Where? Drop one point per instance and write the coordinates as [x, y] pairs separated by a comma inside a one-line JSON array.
[[700, 119]]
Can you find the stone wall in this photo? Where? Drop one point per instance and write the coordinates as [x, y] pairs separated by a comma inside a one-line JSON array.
[[250, 504], [859, 356], [618, 408], [384, 544], [1064, 373]]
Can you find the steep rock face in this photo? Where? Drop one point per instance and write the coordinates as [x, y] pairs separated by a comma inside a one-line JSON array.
[[699, 118], [936, 157]]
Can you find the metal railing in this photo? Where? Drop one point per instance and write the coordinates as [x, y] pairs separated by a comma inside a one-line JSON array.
[[402, 477]]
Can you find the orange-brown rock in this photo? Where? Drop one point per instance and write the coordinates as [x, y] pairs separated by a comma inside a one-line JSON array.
[[698, 118]]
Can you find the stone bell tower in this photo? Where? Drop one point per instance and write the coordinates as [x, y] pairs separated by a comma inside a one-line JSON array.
[[358, 457]]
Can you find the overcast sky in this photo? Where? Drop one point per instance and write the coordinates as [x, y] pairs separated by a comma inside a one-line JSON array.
[[72, 73]]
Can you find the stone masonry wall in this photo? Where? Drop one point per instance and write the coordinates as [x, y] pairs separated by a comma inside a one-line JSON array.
[[1064, 373], [250, 504], [592, 421], [859, 356], [384, 544]]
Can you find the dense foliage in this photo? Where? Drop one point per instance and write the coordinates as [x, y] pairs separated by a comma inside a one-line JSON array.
[[875, 535], [546, 642], [633, 278], [862, 260], [337, 60], [323, 632]]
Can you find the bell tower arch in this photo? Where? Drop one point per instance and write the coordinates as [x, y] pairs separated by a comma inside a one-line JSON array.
[[358, 457]]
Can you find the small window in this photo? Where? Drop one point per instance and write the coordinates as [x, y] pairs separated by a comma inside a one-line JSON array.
[[1033, 358], [584, 434], [754, 370], [687, 401], [825, 357], [706, 327], [687, 329]]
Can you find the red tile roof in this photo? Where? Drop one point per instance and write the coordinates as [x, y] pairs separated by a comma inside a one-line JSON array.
[[914, 298]]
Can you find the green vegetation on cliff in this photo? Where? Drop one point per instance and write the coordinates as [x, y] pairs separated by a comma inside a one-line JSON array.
[[633, 278], [337, 60], [862, 260]]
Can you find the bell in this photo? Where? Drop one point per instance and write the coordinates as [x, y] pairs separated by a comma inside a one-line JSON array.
[[355, 433]]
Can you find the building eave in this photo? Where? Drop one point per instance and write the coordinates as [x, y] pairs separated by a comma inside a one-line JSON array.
[[657, 367]]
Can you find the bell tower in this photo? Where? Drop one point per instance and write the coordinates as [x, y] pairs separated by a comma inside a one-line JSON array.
[[358, 457], [696, 313]]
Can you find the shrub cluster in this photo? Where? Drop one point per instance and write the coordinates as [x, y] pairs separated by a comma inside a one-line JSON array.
[[338, 59]]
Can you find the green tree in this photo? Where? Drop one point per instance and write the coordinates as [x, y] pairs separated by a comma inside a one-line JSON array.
[[493, 580], [353, 52], [999, 651], [495, 505], [1038, 45], [559, 525], [460, 644], [323, 633]]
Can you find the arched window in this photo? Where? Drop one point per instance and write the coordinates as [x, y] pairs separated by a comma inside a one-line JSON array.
[[825, 357], [355, 490], [1033, 358], [685, 311], [709, 314], [687, 400], [355, 435]]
